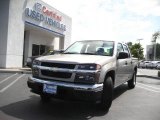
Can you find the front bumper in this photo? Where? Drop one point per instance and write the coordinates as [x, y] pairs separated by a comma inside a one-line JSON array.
[[66, 90]]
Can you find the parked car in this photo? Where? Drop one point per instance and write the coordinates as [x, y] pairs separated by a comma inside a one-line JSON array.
[[144, 64], [32, 58], [141, 64], [88, 70], [147, 64], [152, 64], [158, 65], [155, 64]]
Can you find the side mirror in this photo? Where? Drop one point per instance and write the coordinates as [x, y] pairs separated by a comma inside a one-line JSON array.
[[122, 55]]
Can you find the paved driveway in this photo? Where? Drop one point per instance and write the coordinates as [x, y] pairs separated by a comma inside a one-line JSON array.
[[18, 103]]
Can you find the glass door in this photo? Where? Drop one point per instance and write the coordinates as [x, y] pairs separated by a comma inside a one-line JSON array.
[[35, 50], [42, 49]]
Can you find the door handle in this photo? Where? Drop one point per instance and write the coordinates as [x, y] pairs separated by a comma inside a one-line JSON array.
[[131, 62], [126, 63]]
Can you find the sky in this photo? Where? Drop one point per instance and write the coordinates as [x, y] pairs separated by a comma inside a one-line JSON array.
[[120, 20]]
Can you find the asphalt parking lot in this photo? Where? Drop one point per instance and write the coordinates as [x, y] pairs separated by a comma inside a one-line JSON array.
[[18, 103]]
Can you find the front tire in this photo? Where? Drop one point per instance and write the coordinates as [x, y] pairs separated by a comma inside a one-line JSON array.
[[107, 94], [132, 82]]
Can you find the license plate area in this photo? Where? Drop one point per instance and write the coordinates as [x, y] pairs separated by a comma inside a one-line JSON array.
[[51, 89]]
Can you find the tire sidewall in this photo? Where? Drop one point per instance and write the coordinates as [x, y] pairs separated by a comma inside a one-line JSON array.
[[107, 94], [132, 82]]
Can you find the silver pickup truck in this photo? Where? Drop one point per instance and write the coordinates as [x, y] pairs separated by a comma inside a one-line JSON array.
[[88, 70]]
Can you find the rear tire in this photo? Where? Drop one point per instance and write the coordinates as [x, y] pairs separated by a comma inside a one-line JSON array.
[[132, 82], [107, 94]]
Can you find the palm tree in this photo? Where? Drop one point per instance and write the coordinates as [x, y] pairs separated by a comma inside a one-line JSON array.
[[155, 36], [154, 40]]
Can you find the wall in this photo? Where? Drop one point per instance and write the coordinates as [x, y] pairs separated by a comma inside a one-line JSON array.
[[149, 52], [26, 46], [39, 38], [4, 13], [15, 34], [66, 20], [12, 28]]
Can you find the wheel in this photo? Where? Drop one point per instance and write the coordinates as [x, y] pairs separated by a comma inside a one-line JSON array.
[[107, 94], [45, 98], [132, 82]]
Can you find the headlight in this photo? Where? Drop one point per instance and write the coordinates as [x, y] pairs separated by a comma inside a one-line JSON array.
[[90, 78], [35, 70], [89, 67]]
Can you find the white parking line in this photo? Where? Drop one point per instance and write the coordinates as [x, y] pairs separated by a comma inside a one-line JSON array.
[[7, 78], [148, 87], [11, 83]]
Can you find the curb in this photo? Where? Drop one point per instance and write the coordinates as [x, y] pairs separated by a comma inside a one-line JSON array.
[[16, 71], [158, 78]]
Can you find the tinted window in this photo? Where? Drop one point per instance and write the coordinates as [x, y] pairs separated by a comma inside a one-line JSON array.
[[126, 49]]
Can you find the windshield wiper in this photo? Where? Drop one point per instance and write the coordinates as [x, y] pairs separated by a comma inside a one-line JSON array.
[[95, 54], [70, 53], [88, 53]]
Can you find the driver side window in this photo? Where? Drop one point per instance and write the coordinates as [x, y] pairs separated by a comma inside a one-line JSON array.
[[126, 50], [120, 48]]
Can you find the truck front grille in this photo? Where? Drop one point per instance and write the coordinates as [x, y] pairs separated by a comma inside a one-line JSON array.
[[56, 74], [58, 65]]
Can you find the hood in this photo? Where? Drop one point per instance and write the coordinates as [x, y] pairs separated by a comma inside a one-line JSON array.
[[76, 58], [34, 57]]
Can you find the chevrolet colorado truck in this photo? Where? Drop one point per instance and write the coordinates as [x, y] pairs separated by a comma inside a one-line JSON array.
[[88, 70]]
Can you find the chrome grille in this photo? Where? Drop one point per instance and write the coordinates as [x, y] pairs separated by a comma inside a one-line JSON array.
[[56, 74], [58, 65]]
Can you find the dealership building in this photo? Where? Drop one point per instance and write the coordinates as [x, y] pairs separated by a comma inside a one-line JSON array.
[[30, 28]]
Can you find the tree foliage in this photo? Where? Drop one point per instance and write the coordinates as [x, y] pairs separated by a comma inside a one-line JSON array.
[[155, 36], [136, 50]]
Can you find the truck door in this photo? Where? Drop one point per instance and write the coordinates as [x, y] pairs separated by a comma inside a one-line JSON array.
[[121, 67], [129, 64]]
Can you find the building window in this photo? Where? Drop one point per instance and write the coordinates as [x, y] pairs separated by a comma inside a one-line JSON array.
[[40, 49], [35, 50]]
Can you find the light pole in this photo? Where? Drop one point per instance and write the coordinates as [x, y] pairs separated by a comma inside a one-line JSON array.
[[139, 40]]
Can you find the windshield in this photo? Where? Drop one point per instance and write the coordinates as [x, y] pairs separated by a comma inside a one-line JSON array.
[[95, 47]]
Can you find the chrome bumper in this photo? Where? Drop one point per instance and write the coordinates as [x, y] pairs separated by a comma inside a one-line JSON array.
[[83, 87]]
